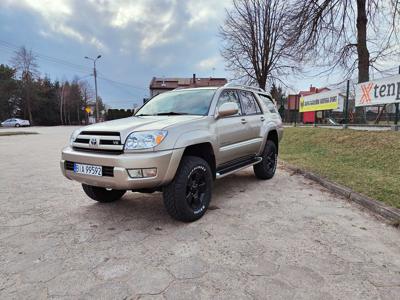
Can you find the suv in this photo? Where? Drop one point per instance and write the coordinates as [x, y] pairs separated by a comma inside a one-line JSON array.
[[179, 142]]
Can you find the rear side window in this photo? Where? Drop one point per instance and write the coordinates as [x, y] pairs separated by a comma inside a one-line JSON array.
[[250, 105], [229, 96], [268, 102]]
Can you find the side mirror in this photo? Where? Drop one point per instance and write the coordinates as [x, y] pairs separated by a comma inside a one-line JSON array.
[[228, 109]]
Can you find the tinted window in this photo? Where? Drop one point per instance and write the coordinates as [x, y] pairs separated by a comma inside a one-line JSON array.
[[250, 105], [229, 96], [268, 102]]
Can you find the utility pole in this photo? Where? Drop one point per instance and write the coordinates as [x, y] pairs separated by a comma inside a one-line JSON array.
[[346, 116], [95, 84], [396, 118]]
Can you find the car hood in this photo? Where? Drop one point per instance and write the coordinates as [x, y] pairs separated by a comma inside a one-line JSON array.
[[127, 125]]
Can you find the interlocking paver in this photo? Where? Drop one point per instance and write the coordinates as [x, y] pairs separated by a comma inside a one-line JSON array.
[[283, 238]]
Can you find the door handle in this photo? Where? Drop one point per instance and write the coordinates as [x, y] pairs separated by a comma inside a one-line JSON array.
[[262, 119], [243, 121]]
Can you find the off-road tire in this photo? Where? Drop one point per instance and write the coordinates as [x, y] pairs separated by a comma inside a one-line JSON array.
[[267, 167], [182, 200], [101, 194]]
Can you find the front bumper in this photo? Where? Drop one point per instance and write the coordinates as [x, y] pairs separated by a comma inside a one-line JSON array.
[[166, 163]]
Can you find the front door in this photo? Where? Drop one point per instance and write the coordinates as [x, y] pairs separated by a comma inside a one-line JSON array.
[[232, 131]]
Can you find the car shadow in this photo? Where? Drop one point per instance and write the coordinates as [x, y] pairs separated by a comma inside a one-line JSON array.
[[140, 208]]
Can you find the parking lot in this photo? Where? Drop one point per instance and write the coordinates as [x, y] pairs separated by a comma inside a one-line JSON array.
[[280, 239]]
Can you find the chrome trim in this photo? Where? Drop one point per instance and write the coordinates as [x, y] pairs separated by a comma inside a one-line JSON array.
[[240, 144]]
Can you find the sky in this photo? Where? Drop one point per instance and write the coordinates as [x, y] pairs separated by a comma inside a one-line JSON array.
[[138, 40]]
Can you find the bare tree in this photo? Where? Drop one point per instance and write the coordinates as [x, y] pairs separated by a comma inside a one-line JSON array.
[[24, 62], [87, 95], [347, 34], [253, 40]]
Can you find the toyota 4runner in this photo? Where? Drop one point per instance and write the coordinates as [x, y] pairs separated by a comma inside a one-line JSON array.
[[179, 142]]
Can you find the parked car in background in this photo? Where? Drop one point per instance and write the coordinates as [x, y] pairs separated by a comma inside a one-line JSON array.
[[15, 122]]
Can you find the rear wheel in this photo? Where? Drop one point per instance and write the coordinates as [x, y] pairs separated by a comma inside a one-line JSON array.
[[17, 125], [267, 167], [102, 194], [187, 197]]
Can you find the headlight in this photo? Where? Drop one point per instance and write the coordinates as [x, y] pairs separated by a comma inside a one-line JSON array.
[[144, 139], [74, 135]]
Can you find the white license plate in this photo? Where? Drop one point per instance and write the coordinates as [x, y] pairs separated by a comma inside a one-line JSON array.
[[88, 169]]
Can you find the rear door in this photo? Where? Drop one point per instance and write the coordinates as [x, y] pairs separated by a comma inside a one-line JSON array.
[[254, 120], [232, 131]]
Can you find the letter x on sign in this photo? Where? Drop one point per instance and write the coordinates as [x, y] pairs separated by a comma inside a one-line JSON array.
[[366, 90]]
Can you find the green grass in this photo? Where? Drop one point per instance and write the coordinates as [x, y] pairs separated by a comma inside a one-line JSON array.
[[8, 133], [367, 162]]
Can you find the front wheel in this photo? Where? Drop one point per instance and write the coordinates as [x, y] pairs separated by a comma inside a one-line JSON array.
[[267, 167], [187, 197], [102, 195], [17, 125]]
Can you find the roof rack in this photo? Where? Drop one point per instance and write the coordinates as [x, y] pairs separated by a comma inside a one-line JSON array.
[[232, 84]]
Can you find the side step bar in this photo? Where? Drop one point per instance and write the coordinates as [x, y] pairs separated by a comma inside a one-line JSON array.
[[237, 166]]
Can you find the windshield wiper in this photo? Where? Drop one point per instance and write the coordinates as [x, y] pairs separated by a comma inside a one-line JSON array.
[[171, 113], [142, 115]]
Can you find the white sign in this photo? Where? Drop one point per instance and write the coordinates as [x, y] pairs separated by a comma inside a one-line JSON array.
[[382, 91]]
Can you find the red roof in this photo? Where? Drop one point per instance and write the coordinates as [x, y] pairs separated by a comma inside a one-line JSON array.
[[173, 83]]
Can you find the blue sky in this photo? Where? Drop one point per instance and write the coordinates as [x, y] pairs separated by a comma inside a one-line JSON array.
[[137, 40]]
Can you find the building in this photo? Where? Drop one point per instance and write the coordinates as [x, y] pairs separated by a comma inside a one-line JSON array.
[[293, 115], [310, 116], [160, 85]]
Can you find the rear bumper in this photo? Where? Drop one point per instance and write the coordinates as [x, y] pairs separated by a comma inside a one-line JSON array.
[[166, 163]]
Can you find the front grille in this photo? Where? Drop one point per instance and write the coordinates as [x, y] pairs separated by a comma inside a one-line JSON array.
[[99, 151], [69, 165], [108, 142], [106, 170], [105, 133]]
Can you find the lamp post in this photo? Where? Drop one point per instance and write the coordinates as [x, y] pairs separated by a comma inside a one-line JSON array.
[[95, 84]]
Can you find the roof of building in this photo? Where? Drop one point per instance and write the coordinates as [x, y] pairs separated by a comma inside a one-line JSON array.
[[313, 90], [173, 83]]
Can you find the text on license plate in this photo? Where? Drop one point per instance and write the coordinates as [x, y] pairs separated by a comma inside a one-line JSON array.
[[88, 169]]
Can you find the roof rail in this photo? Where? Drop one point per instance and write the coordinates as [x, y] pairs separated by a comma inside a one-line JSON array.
[[232, 84]]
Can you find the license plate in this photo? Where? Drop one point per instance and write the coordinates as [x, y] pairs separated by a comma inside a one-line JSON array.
[[88, 169]]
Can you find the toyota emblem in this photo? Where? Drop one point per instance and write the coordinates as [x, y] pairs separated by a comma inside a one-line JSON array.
[[93, 142]]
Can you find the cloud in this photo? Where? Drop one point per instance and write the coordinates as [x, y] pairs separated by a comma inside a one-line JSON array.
[[208, 63]]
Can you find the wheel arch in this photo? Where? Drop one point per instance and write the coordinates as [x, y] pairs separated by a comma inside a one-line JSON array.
[[274, 137], [203, 150]]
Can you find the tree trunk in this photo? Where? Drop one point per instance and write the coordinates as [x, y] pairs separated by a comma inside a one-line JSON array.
[[362, 52]]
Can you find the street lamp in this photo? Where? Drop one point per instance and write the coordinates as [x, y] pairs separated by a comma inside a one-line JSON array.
[[95, 84]]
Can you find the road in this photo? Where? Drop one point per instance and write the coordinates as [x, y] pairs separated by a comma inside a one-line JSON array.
[[287, 238]]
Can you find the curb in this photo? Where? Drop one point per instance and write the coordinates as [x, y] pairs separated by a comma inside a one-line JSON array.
[[390, 213]]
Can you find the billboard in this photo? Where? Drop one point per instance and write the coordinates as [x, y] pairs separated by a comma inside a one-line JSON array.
[[331, 100], [382, 91]]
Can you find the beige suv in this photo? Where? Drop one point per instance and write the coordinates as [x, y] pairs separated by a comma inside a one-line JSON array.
[[178, 143]]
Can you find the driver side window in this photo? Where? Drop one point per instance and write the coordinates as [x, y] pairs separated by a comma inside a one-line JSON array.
[[229, 96]]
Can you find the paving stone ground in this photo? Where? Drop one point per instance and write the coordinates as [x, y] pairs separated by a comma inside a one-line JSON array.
[[287, 238]]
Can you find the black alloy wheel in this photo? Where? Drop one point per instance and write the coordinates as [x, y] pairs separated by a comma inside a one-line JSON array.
[[196, 189], [267, 167]]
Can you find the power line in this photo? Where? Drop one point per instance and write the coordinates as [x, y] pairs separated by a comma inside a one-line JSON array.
[[79, 68]]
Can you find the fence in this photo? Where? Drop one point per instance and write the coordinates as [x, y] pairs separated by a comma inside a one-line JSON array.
[[383, 114]]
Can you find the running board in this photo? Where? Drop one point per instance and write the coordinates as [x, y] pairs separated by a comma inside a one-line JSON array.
[[237, 167]]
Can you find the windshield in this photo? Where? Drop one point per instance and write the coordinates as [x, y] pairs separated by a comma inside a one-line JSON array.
[[181, 102]]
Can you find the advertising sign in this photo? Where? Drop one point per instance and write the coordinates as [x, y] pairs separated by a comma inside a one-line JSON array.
[[382, 91], [321, 101]]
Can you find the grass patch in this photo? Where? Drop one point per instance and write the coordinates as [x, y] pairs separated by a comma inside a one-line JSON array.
[[367, 162], [8, 133]]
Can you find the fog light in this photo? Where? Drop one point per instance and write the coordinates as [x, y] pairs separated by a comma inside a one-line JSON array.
[[151, 172], [135, 173]]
